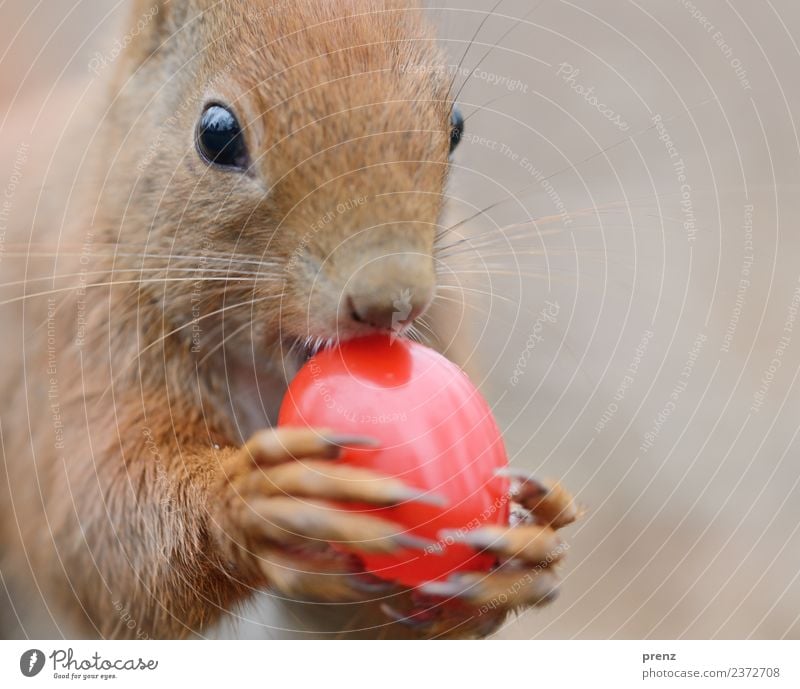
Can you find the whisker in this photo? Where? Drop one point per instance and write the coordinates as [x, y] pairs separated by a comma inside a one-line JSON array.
[[62, 276], [530, 187], [174, 331], [444, 297], [476, 257], [114, 283], [504, 269], [469, 47], [491, 295], [414, 334], [613, 207], [483, 107], [545, 276], [497, 43], [225, 339], [484, 312], [431, 332], [205, 316], [230, 259]]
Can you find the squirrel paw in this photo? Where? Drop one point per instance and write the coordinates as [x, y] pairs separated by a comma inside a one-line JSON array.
[[476, 603], [274, 525]]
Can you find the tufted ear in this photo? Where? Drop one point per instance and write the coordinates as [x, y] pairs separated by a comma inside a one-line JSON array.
[[139, 37], [145, 27], [153, 36]]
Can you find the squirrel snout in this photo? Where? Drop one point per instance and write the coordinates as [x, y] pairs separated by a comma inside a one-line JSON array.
[[390, 292]]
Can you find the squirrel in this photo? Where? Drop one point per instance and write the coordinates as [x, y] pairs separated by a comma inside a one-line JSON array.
[[261, 180]]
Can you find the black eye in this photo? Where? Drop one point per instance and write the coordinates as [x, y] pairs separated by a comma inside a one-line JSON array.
[[219, 138], [456, 128]]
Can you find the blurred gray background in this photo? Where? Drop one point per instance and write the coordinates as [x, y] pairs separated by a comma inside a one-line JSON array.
[[661, 385]]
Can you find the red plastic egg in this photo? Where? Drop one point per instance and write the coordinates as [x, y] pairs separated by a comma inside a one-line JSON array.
[[436, 432]]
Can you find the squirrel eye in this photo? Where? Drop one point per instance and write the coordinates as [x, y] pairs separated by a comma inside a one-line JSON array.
[[219, 138], [456, 128]]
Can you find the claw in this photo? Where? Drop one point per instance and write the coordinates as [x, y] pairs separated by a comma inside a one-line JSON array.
[[549, 502], [512, 472], [481, 539], [397, 616], [336, 443], [532, 543], [343, 440], [366, 583], [530, 489], [501, 590], [443, 589], [423, 497], [275, 446], [527, 487], [414, 619], [406, 540]]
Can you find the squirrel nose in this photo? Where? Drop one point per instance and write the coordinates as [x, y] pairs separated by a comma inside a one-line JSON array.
[[390, 293], [384, 313]]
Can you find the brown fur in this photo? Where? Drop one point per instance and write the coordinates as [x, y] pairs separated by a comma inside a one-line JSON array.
[[141, 507]]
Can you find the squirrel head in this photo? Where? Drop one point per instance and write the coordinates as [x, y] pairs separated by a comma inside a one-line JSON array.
[[294, 153]]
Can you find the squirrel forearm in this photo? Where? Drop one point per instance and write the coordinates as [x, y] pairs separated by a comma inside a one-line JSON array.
[[143, 562]]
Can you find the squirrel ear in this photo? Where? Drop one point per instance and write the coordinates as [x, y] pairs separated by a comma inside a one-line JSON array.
[[145, 30]]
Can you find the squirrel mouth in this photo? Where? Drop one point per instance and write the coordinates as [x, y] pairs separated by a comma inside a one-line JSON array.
[[303, 348]]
